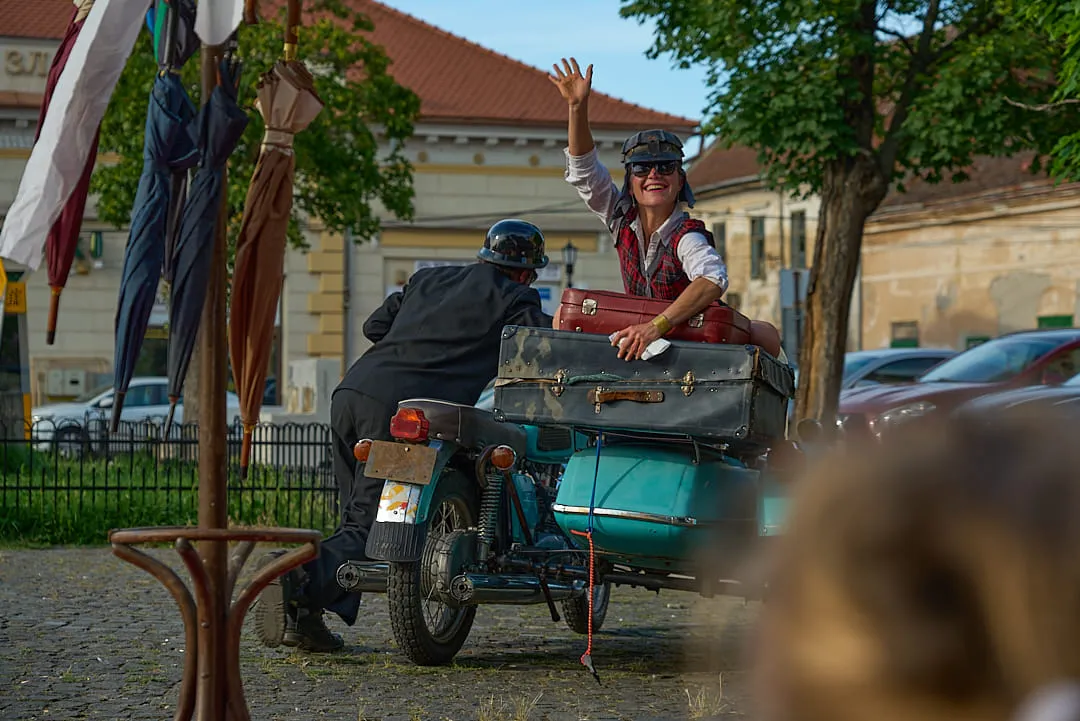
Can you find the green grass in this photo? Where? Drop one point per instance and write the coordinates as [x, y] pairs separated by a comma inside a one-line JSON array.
[[48, 501]]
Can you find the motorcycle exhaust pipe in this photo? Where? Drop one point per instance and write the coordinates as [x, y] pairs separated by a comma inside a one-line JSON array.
[[474, 589], [363, 576]]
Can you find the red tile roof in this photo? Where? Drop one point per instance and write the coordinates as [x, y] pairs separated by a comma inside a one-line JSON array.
[[457, 80], [986, 174], [718, 165], [44, 19]]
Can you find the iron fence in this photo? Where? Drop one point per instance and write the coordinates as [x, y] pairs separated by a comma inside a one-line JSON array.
[[71, 481]]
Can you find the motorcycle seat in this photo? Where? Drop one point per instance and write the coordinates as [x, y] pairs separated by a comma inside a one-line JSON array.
[[467, 425]]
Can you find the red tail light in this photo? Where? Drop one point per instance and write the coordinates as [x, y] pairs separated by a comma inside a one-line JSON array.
[[409, 424]]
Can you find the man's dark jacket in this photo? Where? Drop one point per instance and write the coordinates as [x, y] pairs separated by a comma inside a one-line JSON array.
[[439, 336]]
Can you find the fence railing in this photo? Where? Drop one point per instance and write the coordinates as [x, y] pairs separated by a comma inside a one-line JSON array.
[[70, 482]]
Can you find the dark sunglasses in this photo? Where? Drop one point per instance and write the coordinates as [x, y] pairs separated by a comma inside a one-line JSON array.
[[642, 170]]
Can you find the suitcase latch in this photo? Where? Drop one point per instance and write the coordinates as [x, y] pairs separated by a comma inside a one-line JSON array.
[[561, 377], [588, 306], [688, 383], [697, 321]]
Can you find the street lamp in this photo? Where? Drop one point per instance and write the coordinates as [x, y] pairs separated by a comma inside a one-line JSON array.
[[569, 257]]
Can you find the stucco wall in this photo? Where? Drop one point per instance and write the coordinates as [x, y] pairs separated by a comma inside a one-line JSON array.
[[973, 269]]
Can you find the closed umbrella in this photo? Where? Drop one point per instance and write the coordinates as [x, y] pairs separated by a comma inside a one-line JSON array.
[[287, 103], [167, 149], [63, 237], [220, 125], [176, 41], [58, 159]]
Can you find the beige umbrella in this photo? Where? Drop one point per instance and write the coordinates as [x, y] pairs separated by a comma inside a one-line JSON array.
[[287, 103]]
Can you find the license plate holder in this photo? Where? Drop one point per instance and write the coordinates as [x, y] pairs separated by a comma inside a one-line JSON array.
[[401, 462]]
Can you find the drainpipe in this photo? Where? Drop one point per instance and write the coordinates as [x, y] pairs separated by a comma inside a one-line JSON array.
[[780, 196], [346, 303]]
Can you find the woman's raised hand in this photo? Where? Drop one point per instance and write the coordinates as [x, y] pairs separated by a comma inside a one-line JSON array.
[[573, 86]]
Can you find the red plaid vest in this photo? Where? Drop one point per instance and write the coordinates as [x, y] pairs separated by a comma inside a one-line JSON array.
[[669, 279]]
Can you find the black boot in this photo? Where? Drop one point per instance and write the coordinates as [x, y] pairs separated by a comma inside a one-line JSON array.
[[282, 619]]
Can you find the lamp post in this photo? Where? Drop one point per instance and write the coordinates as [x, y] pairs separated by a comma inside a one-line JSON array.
[[569, 257]]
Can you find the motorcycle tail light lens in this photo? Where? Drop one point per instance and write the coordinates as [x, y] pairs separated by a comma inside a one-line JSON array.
[[409, 424], [503, 458], [361, 450]]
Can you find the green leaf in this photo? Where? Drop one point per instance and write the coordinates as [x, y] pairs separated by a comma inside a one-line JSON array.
[[343, 169]]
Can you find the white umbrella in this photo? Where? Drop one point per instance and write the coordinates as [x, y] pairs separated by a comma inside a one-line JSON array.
[[215, 21], [78, 104]]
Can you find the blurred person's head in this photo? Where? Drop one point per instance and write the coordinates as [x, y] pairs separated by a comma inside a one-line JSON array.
[[934, 577]]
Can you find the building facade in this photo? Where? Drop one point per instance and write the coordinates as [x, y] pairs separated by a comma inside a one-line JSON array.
[[489, 145], [945, 265]]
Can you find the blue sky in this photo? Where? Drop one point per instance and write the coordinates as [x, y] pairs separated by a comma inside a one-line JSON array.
[[539, 33]]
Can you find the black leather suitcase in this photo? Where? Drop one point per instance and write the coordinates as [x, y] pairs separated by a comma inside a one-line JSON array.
[[735, 394]]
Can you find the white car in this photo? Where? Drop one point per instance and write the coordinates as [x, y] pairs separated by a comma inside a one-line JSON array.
[[73, 424]]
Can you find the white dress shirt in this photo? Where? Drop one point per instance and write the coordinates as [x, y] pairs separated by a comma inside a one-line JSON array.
[[593, 183]]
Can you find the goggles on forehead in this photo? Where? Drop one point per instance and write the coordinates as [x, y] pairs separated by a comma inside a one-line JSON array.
[[654, 141], [665, 167]]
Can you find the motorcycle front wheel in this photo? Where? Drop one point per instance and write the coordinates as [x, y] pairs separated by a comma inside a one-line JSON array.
[[429, 632]]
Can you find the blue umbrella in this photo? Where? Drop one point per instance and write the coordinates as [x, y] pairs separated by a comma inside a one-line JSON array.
[[220, 125], [167, 149]]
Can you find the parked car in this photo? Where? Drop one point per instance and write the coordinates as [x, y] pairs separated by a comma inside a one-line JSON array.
[[1064, 397], [882, 367], [75, 424], [890, 365], [1014, 360]]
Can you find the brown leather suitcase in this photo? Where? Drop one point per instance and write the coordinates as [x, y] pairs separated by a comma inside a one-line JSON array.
[[606, 312]]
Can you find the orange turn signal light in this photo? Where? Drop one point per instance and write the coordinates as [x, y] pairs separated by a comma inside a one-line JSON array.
[[361, 450], [503, 458]]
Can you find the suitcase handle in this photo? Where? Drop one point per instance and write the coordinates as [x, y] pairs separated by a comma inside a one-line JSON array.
[[599, 396]]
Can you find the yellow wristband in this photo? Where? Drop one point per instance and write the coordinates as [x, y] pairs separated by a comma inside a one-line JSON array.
[[662, 324]]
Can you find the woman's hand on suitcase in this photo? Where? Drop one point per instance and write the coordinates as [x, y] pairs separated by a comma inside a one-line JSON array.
[[633, 341]]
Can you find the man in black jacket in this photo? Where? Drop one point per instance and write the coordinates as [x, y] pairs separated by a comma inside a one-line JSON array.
[[438, 337]]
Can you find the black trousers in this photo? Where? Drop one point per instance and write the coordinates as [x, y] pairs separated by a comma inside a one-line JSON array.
[[353, 416]]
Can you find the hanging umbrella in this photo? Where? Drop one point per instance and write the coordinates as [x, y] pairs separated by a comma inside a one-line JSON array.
[[79, 99], [63, 237], [220, 125], [167, 149], [177, 41], [288, 103]]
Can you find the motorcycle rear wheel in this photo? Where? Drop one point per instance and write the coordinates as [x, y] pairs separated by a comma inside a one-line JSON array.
[[427, 637], [576, 610]]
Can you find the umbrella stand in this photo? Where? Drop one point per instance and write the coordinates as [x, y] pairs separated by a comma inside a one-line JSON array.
[[211, 687]]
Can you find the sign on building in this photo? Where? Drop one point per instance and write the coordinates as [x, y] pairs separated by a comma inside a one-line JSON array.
[[793, 284]]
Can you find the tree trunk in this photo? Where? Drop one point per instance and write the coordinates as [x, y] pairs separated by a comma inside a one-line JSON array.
[[851, 191], [191, 385]]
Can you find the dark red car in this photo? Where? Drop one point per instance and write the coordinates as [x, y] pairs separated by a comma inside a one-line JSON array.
[[1026, 358]]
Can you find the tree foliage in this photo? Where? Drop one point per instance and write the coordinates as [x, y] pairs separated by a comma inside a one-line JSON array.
[[1060, 19], [343, 168], [923, 85]]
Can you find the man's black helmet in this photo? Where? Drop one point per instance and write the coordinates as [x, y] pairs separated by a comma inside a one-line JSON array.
[[514, 244], [652, 146]]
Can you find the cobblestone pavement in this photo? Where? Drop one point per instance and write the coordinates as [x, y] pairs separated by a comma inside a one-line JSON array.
[[84, 635]]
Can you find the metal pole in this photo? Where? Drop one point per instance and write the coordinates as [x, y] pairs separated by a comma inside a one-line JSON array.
[[213, 508], [211, 687], [346, 303]]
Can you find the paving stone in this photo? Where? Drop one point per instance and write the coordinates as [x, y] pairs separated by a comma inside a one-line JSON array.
[[88, 636]]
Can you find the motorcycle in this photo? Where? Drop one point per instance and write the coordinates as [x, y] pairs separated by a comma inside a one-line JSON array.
[[479, 511]]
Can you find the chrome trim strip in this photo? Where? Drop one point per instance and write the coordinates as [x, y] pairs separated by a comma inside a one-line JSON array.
[[632, 515]]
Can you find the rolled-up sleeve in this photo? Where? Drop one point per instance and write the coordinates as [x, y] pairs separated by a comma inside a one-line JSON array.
[[593, 183], [701, 260]]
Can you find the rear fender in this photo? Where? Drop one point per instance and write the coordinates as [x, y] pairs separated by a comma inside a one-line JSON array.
[[400, 527]]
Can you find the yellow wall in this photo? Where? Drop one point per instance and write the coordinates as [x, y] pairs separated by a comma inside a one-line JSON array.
[[980, 268]]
